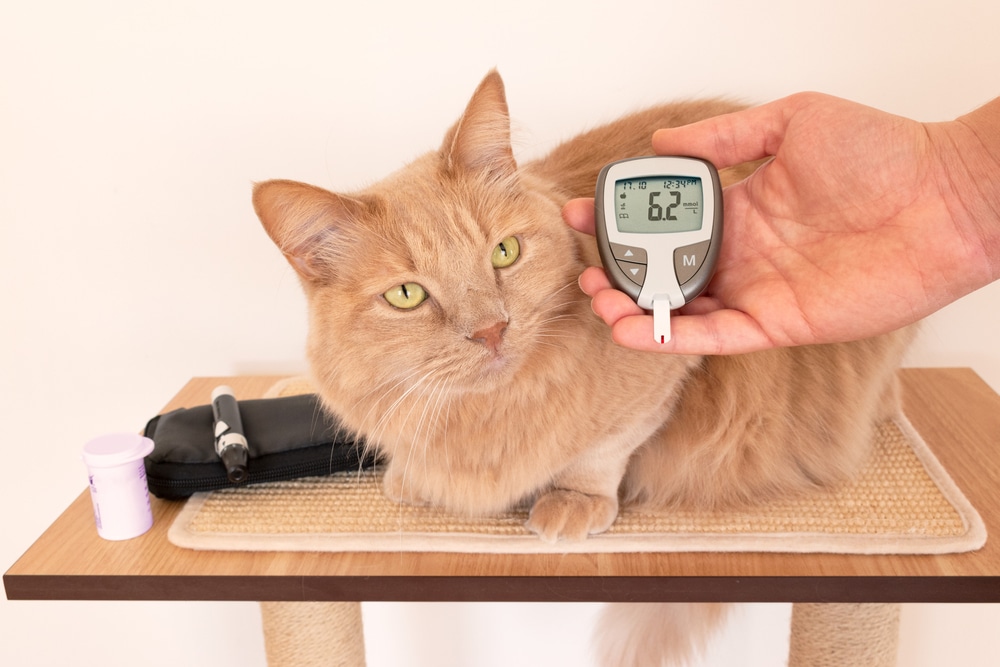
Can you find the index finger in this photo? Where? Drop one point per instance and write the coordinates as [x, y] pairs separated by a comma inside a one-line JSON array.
[[733, 138]]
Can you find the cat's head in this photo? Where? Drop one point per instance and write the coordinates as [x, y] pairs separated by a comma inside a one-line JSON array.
[[445, 276]]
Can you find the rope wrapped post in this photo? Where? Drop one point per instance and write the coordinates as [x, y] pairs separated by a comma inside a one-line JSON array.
[[836, 635], [313, 634]]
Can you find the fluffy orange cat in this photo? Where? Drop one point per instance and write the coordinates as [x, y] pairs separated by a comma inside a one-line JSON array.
[[447, 330]]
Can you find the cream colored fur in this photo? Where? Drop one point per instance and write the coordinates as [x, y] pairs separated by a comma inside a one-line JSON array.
[[645, 634], [502, 387]]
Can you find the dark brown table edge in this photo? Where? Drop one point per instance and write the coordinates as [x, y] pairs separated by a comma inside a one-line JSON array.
[[506, 589]]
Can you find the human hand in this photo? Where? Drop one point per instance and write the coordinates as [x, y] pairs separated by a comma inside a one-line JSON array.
[[855, 227]]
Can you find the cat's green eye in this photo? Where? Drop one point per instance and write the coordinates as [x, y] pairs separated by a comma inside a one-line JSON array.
[[407, 296], [506, 252]]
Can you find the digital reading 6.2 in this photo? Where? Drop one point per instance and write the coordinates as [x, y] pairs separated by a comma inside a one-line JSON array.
[[658, 205]]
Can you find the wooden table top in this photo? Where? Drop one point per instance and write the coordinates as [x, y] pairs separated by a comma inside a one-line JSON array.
[[953, 409]]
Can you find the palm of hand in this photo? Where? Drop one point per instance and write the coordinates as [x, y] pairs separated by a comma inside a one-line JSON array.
[[827, 232]]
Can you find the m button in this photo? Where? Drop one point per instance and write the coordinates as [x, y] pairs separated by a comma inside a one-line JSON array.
[[688, 260]]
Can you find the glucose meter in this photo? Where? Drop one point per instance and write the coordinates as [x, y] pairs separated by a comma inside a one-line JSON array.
[[659, 229]]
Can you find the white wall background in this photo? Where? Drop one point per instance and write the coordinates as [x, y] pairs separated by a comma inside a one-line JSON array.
[[130, 133]]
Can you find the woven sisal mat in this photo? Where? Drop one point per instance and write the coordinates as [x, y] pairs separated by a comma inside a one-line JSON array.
[[903, 503]]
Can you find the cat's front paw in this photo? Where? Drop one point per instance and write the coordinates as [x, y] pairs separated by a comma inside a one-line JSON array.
[[400, 490], [563, 514]]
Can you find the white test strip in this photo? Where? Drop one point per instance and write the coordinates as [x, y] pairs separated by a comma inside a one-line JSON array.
[[661, 318]]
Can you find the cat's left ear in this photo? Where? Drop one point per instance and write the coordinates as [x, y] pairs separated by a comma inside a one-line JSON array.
[[480, 140]]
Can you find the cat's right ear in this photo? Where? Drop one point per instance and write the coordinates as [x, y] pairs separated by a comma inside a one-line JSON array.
[[304, 221]]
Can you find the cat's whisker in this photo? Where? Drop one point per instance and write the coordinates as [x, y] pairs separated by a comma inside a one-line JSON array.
[[410, 446], [384, 389], [444, 438], [433, 397], [387, 390], [430, 400], [383, 421], [556, 318], [373, 402], [549, 344], [559, 292], [414, 441]]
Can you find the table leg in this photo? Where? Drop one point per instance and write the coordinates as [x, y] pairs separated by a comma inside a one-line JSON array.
[[829, 635], [313, 634]]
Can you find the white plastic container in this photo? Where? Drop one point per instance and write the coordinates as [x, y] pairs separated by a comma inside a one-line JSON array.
[[118, 484]]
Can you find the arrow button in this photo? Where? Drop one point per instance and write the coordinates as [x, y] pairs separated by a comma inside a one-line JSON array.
[[634, 272], [628, 253]]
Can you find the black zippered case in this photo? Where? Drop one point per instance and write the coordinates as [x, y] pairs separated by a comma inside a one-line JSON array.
[[288, 437]]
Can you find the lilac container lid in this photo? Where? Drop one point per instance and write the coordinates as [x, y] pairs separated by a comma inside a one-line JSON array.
[[115, 449]]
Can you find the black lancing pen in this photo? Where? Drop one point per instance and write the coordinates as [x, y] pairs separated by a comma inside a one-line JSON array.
[[230, 442]]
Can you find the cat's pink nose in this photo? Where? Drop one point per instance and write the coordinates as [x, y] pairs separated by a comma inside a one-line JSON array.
[[490, 336]]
